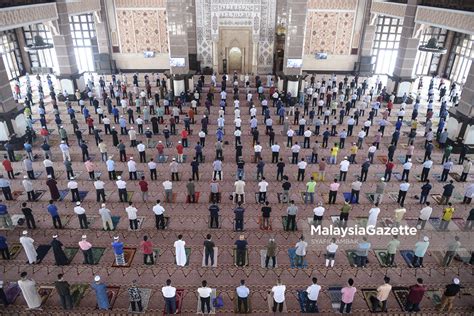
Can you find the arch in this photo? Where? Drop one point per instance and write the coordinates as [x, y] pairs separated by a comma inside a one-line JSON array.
[[235, 59]]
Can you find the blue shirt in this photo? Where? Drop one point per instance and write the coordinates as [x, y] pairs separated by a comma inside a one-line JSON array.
[[53, 210], [118, 247], [3, 209], [115, 112], [243, 291], [3, 242], [28, 147]]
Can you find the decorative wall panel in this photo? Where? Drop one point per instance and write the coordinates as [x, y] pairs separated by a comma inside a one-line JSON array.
[[142, 30], [332, 4], [329, 32], [15, 17], [140, 4], [259, 15], [396, 10], [455, 20]]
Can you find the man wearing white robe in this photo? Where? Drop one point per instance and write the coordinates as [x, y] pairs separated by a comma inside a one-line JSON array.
[[180, 251], [29, 291], [373, 214], [28, 246]]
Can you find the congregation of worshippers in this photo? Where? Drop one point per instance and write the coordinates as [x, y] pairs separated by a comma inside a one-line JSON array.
[[247, 150]]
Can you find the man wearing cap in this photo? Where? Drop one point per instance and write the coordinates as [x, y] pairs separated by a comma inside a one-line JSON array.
[[28, 246], [100, 293], [132, 169], [132, 216], [73, 186], [449, 295], [81, 214], [344, 168], [106, 217], [86, 248], [65, 150], [118, 252], [132, 134], [99, 186], [6, 189], [59, 255], [28, 186], [122, 189], [420, 250]]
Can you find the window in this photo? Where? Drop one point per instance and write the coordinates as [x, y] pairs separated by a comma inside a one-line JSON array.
[[84, 40], [427, 63], [11, 54], [461, 56], [43, 58], [386, 41]]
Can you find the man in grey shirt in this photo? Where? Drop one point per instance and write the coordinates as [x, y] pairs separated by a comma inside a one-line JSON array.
[[451, 251], [379, 191], [291, 216]]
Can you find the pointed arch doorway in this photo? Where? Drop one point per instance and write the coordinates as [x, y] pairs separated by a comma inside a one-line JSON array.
[[235, 59]]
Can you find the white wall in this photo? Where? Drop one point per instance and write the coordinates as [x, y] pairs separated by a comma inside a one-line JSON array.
[[3, 131], [137, 61], [333, 63]]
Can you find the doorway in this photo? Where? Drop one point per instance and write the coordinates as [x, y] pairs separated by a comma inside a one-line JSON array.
[[235, 60]]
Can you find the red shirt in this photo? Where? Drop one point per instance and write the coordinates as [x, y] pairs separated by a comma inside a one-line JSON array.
[[180, 149], [44, 132], [90, 121], [191, 113], [390, 165], [416, 293], [147, 247], [184, 134], [160, 147], [389, 105], [143, 185], [7, 165]]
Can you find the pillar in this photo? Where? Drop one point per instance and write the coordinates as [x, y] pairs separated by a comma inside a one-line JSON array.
[[294, 43], [105, 64], [460, 124], [24, 54], [365, 66], [12, 121], [402, 77]]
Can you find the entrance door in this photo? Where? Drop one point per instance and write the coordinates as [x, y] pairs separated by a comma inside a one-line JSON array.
[[235, 60]]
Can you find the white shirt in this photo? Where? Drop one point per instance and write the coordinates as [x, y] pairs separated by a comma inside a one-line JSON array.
[[302, 165], [167, 185], [79, 210], [290, 133], [110, 165], [257, 148], [301, 248], [168, 291], [308, 133], [425, 213], [99, 185], [72, 185], [279, 293], [295, 148], [319, 211], [158, 209], [262, 185], [131, 212], [275, 148], [132, 166], [121, 184], [332, 248], [313, 291], [204, 292], [361, 134], [141, 147], [47, 163], [372, 149], [344, 165], [404, 186], [202, 134], [428, 164], [237, 133], [407, 165], [152, 165]]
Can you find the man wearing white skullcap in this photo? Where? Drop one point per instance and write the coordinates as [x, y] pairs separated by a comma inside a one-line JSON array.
[[86, 248], [420, 250], [449, 295], [29, 247], [100, 293], [118, 251], [59, 255]]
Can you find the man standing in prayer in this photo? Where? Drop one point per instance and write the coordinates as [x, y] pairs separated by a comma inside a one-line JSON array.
[[180, 251], [118, 251], [59, 255], [86, 248], [101, 293], [29, 291], [28, 246]]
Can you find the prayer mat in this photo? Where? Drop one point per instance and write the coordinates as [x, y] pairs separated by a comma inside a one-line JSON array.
[[315, 176], [361, 221], [14, 249], [140, 174], [185, 157], [408, 255], [382, 256], [152, 143], [145, 295], [82, 195], [211, 305], [284, 219], [234, 253], [309, 161], [128, 255], [130, 195], [393, 196], [209, 222], [42, 251], [461, 222], [387, 222], [112, 294], [236, 305], [12, 290], [179, 301], [401, 159], [260, 223], [97, 253], [419, 159], [257, 195], [204, 258], [115, 221], [140, 220], [379, 175], [219, 197], [351, 257], [16, 194], [270, 304], [97, 174], [15, 218], [293, 260], [347, 197], [463, 255], [438, 256], [187, 250], [383, 159], [435, 222], [370, 197], [334, 219], [70, 252], [281, 200], [397, 175], [263, 256], [456, 176], [44, 292], [38, 174], [63, 194], [401, 294], [18, 157], [77, 292], [196, 197], [335, 295], [164, 159], [436, 197], [434, 296], [369, 294]]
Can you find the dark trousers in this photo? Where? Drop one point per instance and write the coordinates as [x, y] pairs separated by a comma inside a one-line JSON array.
[[291, 221], [135, 305], [112, 175], [75, 195], [348, 307], [300, 174], [160, 221], [267, 261], [30, 222], [69, 174], [278, 306], [209, 254], [205, 302], [153, 174], [312, 306], [424, 174], [31, 195], [123, 195], [88, 258], [5, 253], [170, 305], [133, 224], [7, 192], [100, 194], [148, 259], [363, 175], [342, 175], [412, 307], [332, 197], [66, 301], [57, 222], [132, 175], [240, 260], [242, 301], [401, 197], [405, 174], [376, 304], [354, 193], [83, 221]]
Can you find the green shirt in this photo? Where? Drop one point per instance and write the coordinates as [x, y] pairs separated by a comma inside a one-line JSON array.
[[346, 208], [311, 186], [393, 246]]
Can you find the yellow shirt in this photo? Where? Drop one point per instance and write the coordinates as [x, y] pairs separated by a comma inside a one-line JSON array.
[[354, 150], [448, 213], [334, 151]]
